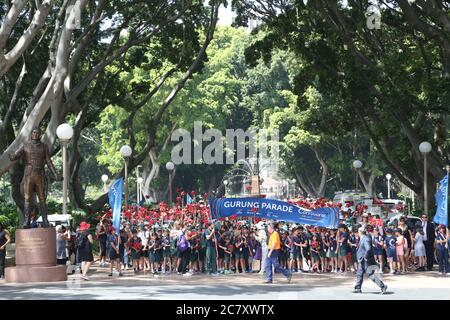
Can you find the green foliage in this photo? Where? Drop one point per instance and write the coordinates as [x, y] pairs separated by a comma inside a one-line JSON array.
[[4, 220]]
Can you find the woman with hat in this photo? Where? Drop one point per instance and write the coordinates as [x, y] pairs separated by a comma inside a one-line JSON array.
[[84, 245], [442, 250]]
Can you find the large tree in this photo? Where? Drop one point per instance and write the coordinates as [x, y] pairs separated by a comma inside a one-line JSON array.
[[394, 82], [53, 71]]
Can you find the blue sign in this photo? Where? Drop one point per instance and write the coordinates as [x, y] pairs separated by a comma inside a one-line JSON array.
[[441, 216], [274, 210], [115, 202]]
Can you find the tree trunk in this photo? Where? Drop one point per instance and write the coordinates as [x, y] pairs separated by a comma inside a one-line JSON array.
[[368, 184]]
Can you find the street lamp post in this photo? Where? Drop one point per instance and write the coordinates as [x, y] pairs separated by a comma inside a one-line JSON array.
[[225, 183], [170, 166], [425, 148], [388, 177], [125, 152], [139, 189], [357, 164], [64, 133], [105, 180]]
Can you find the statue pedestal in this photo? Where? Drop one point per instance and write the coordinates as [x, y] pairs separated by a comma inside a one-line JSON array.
[[36, 257]]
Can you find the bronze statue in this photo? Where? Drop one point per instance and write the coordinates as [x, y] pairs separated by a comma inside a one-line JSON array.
[[35, 155]]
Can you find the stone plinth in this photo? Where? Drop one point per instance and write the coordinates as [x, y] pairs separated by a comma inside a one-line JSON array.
[[36, 257]]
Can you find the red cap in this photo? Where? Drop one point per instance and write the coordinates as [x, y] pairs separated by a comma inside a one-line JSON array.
[[84, 226]]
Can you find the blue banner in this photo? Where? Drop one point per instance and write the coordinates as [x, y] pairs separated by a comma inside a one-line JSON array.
[[441, 216], [115, 202], [188, 199], [274, 210]]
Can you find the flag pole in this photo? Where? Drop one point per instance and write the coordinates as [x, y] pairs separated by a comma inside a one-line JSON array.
[[448, 195], [215, 238]]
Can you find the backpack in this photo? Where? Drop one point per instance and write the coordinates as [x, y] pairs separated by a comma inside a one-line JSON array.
[[183, 245]]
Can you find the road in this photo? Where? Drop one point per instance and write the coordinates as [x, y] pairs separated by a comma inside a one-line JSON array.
[[421, 286]]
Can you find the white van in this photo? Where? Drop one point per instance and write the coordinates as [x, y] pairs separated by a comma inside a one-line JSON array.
[[351, 198], [57, 219]]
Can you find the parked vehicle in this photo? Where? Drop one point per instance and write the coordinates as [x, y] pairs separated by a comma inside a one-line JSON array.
[[351, 198], [410, 221]]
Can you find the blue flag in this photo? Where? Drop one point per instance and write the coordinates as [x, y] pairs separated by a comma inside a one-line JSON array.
[[115, 202], [188, 199], [441, 216], [274, 210]]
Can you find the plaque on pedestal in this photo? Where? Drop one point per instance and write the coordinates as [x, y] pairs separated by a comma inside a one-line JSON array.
[[36, 257]]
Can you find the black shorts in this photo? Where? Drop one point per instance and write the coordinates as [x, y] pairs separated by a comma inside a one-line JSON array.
[[102, 243], [182, 254], [306, 254], [113, 255], [220, 254]]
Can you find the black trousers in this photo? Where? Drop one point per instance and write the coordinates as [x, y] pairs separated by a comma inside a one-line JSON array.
[[429, 251], [2, 262], [185, 256]]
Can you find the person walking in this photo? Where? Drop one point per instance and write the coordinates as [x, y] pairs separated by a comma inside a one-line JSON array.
[[366, 262], [84, 245], [5, 238], [428, 240], [273, 254]]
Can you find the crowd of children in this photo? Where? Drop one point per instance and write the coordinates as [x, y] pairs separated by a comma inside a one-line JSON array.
[[190, 246]]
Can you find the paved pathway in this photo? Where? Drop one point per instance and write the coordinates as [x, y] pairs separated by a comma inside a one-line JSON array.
[[235, 287]]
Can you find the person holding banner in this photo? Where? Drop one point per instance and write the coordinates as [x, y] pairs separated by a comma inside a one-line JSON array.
[[272, 256], [114, 252]]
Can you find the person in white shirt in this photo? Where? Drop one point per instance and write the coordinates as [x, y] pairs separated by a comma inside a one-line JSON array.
[[262, 238], [143, 261]]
